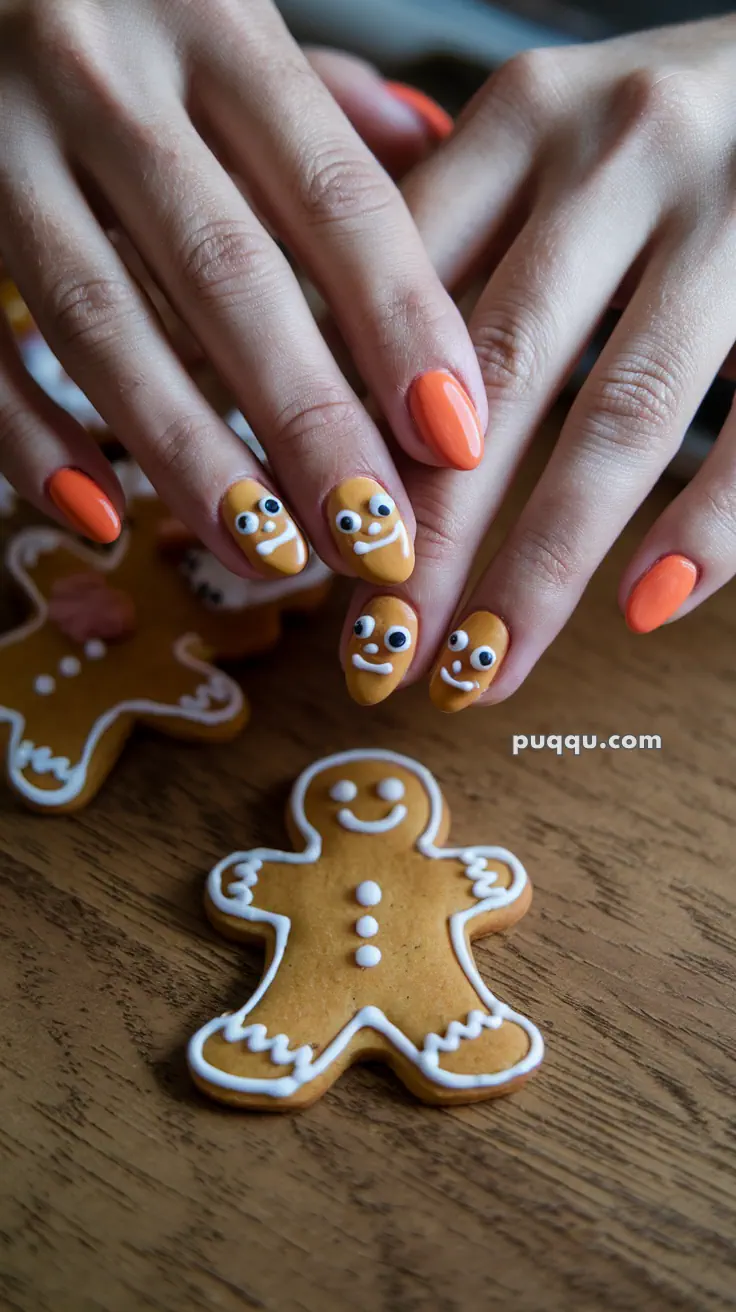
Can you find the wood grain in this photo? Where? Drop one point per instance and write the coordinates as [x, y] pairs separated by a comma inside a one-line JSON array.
[[607, 1182]]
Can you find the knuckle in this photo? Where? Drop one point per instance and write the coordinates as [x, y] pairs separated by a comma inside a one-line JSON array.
[[637, 399], [442, 529], [407, 314], [64, 35], [320, 417], [178, 450], [719, 503], [335, 188], [507, 344], [528, 85], [223, 258], [672, 102], [90, 312], [542, 553]]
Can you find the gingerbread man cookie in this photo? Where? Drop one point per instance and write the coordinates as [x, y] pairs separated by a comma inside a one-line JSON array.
[[367, 928], [120, 637]]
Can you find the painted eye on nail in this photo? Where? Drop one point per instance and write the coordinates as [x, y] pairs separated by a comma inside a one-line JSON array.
[[348, 522], [381, 505], [364, 626], [344, 791], [397, 638], [458, 640], [390, 790], [270, 505], [246, 522], [483, 658]]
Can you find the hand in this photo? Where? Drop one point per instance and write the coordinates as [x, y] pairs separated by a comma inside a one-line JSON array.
[[153, 106], [580, 176]]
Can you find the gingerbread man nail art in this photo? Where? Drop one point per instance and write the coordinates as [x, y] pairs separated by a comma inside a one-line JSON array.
[[380, 650], [367, 929], [369, 532], [469, 662], [263, 529]]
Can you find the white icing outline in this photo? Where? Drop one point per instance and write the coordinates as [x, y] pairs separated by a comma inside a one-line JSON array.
[[398, 533], [378, 667], [426, 1058], [465, 685], [248, 594], [24, 550]]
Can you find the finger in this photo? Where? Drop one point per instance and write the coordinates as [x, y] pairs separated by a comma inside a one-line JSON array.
[[691, 550], [624, 428], [400, 128], [102, 331], [48, 457], [349, 227], [235, 289]]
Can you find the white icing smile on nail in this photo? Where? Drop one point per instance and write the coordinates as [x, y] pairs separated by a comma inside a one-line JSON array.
[[372, 667], [397, 534], [267, 548], [464, 685]]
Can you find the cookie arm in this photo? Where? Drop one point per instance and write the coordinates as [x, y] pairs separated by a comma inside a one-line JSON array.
[[247, 889]]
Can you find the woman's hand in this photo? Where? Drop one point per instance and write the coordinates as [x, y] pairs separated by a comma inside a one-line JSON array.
[[152, 106], [580, 176]]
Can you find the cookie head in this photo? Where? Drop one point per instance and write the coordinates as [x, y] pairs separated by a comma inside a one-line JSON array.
[[469, 661], [369, 800], [369, 532], [263, 529], [380, 650]]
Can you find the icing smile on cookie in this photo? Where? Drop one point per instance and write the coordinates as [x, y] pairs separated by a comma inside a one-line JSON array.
[[389, 790]]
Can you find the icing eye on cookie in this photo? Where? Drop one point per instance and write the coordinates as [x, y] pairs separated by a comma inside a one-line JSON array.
[[348, 521], [390, 790], [344, 791], [247, 522], [381, 505], [397, 638], [458, 640], [270, 505], [482, 658], [364, 626]]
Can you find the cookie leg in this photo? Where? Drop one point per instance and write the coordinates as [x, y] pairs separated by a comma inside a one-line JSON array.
[[263, 1060], [484, 1055]]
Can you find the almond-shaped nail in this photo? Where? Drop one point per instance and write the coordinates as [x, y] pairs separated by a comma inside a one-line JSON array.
[[447, 419], [381, 649], [436, 120], [263, 529], [369, 532], [660, 592], [469, 661], [87, 508]]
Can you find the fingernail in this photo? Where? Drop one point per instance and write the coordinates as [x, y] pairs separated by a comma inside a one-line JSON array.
[[436, 119], [447, 419], [85, 505], [660, 593], [263, 529], [381, 649], [469, 661], [369, 532]]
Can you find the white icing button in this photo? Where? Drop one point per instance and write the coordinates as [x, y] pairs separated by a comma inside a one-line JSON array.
[[69, 666], [368, 955], [94, 650], [457, 666], [268, 526], [390, 790], [344, 791], [366, 927], [368, 893], [373, 529], [371, 648], [44, 685]]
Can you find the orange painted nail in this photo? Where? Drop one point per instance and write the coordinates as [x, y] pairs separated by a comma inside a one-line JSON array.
[[660, 593], [85, 505], [447, 419], [435, 118]]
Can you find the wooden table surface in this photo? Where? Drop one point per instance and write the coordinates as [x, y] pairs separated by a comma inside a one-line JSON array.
[[607, 1182]]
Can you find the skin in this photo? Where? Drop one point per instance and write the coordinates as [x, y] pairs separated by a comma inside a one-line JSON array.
[[158, 118], [578, 178]]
